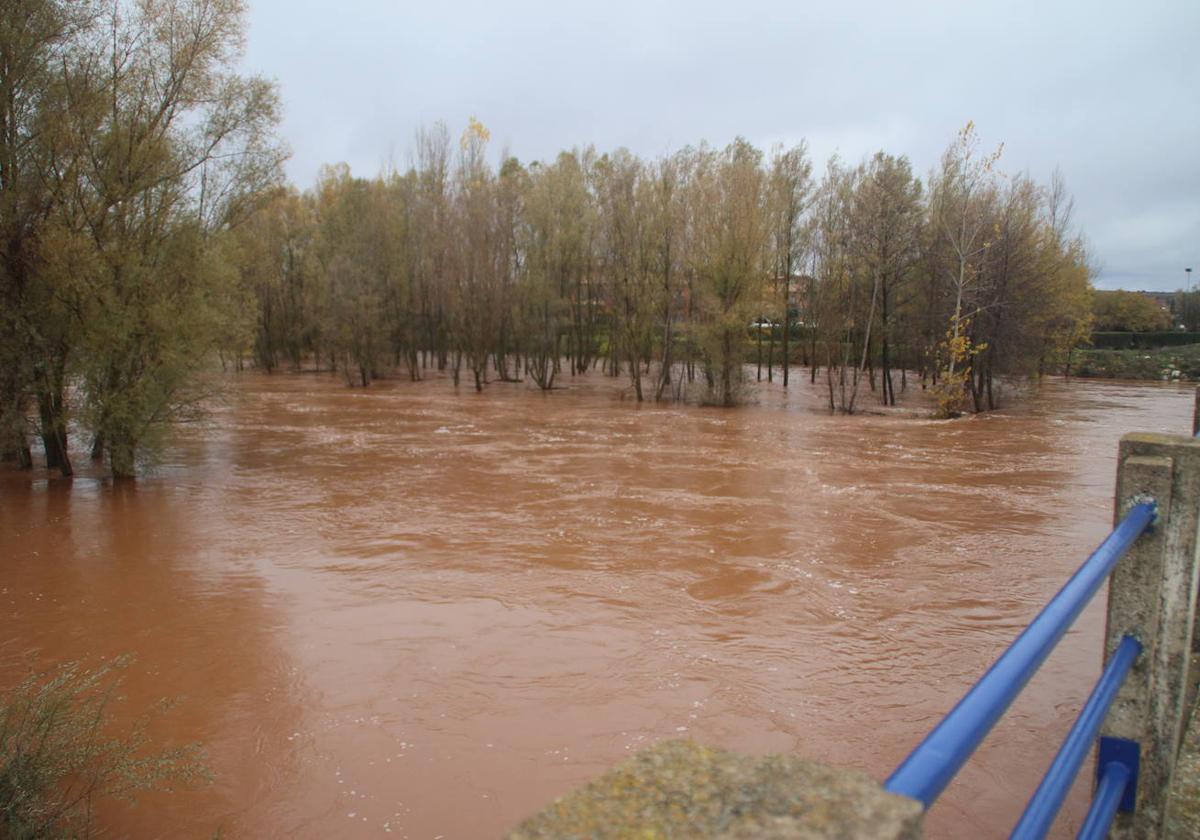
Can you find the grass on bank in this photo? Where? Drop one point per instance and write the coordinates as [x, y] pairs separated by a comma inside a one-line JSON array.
[[1164, 364], [59, 754]]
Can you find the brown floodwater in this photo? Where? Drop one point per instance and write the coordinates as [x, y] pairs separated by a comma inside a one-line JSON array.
[[423, 613]]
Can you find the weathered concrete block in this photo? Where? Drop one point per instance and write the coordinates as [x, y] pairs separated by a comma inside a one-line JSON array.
[[1152, 596], [1183, 808], [680, 789]]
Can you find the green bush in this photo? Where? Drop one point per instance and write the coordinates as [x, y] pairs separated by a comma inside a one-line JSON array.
[[58, 754]]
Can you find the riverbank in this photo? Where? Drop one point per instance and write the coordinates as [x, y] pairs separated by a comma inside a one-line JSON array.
[[1163, 364]]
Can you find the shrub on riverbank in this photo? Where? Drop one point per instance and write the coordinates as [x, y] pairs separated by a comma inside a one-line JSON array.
[[58, 755], [1163, 364]]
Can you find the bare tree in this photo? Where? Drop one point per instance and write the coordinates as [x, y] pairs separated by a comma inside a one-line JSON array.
[[790, 193]]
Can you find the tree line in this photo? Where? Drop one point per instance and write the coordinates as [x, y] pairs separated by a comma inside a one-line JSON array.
[[674, 272], [146, 231]]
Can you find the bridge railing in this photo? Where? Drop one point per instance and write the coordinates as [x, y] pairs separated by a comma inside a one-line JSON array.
[[931, 766], [1138, 708]]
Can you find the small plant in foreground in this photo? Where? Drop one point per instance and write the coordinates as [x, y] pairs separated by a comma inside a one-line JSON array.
[[58, 753]]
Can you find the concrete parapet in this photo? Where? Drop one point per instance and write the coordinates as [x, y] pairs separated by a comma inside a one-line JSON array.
[[1183, 807], [1152, 596], [680, 789]]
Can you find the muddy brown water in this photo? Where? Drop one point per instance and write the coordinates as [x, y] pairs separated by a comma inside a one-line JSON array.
[[413, 612]]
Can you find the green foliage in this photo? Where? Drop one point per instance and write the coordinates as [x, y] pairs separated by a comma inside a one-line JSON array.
[[356, 262], [58, 753], [956, 353], [558, 222], [147, 353], [1122, 311], [731, 253], [119, 194], [276, 258]]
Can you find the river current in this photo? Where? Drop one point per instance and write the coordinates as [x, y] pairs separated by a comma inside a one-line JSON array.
[[412, 611]]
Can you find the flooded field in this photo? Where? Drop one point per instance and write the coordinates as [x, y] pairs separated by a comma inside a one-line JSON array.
[[414, 612]]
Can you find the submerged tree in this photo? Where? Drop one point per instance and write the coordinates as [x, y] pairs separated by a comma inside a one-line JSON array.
[[886, 224], [144, 234], [846, 290], [790, 186], [961, 192], [137, 146], [44, 45], [176, 156], [671, 267], [731, 251]]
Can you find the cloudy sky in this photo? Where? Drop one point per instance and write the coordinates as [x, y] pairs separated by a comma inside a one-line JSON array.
[[1107, 92]]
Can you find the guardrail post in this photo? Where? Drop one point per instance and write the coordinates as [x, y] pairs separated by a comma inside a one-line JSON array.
[[1196, 414], [1152, 596]]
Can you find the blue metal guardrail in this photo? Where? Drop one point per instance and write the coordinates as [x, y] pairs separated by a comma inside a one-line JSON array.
[[931, 766]]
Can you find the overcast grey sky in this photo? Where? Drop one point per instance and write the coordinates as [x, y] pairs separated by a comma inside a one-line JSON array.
[[1108, 92]]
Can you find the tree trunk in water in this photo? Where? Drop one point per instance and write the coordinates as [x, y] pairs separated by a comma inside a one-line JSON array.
[[121, 456], [20, 455], [54, 430], [975, 378], [812, 355], [771, 357], [14, 434], [759, 374], [664, 372], [786, 360], [727, 370], [635, 373], [885, 361], [885, 370], [414, 366]]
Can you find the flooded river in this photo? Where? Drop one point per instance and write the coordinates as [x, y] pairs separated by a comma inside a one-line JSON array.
[[413, 612]]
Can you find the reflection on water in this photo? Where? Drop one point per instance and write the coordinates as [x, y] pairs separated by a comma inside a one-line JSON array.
[[417, 612]]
